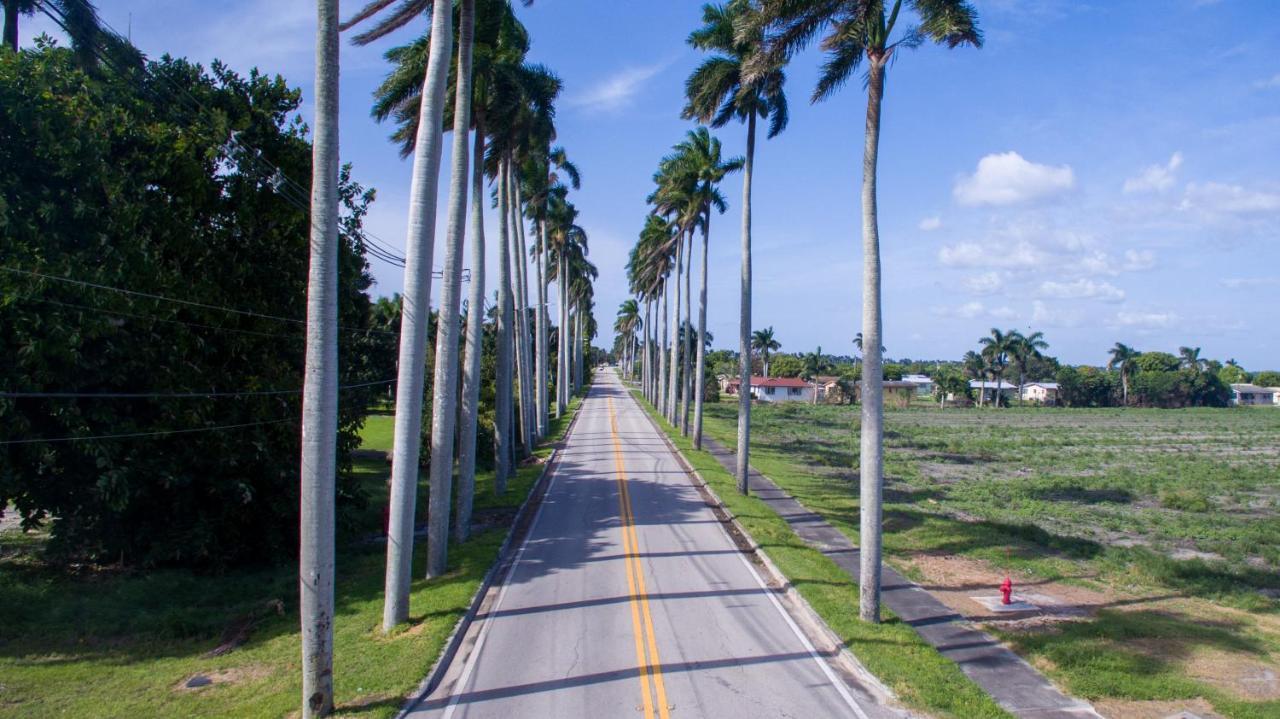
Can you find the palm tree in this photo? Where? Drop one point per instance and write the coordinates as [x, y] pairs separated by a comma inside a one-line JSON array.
[[717, 93], [444, 401], [627, 323], [996, 349], [1123, 358], [541, 179], [79, 18], [419, 246], [858, 28], [815, 363], [316, 559], [1190, 358], [1024, 350], [762, 341], [699, 157], [975, 367]]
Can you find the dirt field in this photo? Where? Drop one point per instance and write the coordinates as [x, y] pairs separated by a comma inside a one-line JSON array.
[[1149, 539]]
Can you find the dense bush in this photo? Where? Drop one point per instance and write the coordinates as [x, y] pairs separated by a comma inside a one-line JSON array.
[[120, 181]]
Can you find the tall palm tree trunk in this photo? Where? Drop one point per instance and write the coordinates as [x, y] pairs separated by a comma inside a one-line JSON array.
[[686, 361], [415, 321], [663, 338], [526, 334], [699, 380], [444, 396], [741, 470], [11, 24], [872, 439], [580, 348], [502, 399], [320, 384], [471, 374], [673, 386], [543, 338], [562, 349], [521, 331]]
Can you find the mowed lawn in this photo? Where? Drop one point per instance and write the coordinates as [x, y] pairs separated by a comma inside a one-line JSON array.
[[1157, 532], [102, 642]]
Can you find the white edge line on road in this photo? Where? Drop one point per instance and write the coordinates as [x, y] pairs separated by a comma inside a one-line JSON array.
[[808, 645], [463, 679]]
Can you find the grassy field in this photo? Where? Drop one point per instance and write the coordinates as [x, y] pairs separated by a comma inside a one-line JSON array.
[[136, 638], [1154, 534]]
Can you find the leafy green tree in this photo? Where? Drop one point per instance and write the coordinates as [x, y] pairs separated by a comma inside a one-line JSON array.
[[1157, 362], [785, 365], [858, 29], [1233, 374], [1267, 378], [112, 180]]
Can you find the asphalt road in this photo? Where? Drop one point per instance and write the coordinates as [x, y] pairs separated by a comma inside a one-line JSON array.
[[628, 599]]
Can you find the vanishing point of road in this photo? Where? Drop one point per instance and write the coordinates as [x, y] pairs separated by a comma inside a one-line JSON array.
[[627, 598]]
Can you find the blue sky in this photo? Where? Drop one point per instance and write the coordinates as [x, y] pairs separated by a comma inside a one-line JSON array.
[[1101, 171]]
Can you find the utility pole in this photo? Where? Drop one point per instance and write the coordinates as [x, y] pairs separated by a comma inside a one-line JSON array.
[[320, 384]]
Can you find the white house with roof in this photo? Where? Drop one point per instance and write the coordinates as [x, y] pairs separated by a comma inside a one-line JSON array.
[[775, 389], [986, 392], [924, 385], [1045, 393], [1248, 395]]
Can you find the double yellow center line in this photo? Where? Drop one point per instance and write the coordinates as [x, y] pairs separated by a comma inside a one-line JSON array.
[[641, 619]]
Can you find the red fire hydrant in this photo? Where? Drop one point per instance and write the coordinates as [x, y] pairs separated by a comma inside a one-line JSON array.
[[1006, 591]]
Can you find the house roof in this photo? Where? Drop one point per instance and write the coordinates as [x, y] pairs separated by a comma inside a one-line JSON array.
[[898, 384], [917, 379], [1253, 388], [1046, 385], [983, 384], [757, 381]]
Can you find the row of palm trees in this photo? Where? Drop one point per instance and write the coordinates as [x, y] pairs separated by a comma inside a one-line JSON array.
[[999, 350], [467, 73], [750, 43]]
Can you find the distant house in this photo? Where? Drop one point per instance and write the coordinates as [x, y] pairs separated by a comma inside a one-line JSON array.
[[828, 388], [924, 385], [897, 393], [987, 391], [774, 389], [1045, 393], [1252, 394]]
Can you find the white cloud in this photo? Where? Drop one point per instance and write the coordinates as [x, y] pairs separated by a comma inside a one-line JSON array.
[[1081, 289], [984, 284], [1138, 260], [971, 254], [1008, 179], [1146, 320], [616, 91], [1217, 197], [929, 224], [972, 310], [1268, 83], [1156, 178], [1240, 283], [1045, 316]]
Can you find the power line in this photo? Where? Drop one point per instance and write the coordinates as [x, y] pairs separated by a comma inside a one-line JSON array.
[[130, 435], [173, 395], [174, 300]]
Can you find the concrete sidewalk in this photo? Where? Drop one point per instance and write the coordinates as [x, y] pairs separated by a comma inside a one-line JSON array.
[[1014, 684]]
